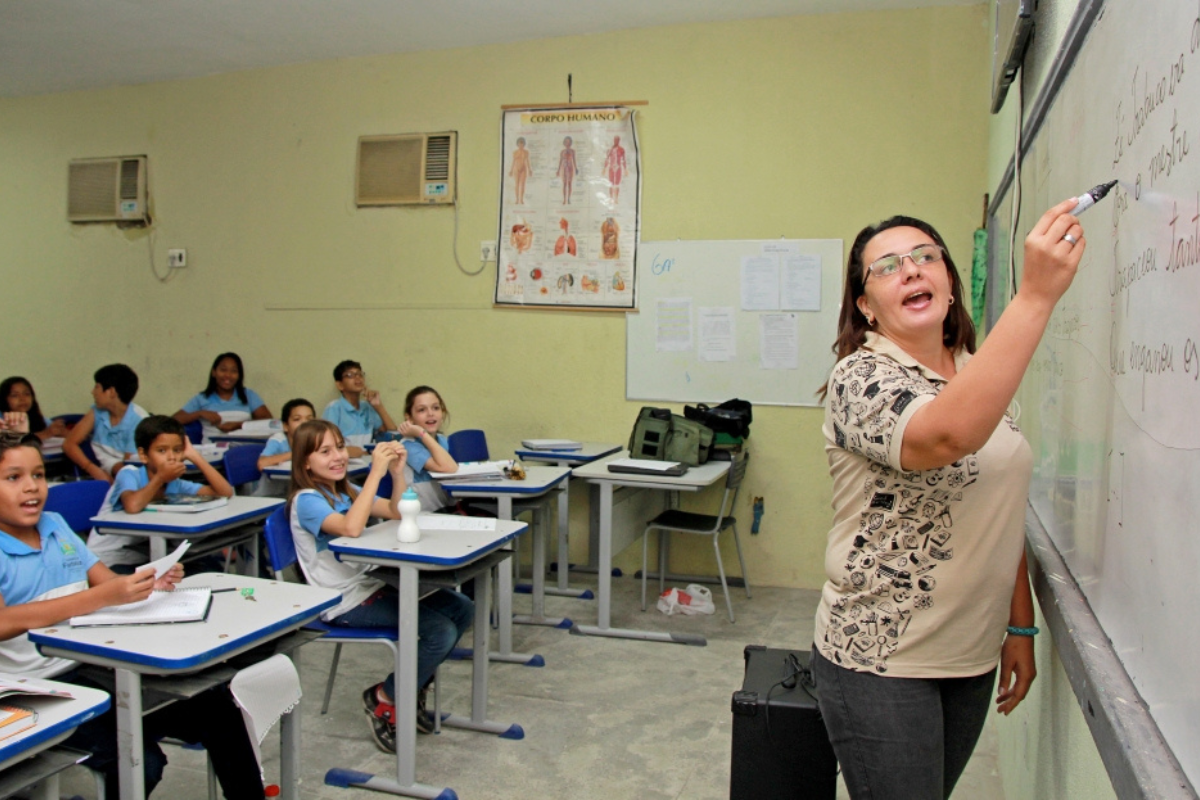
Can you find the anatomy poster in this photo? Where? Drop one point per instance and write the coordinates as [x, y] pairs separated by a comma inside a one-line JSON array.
[[569, 208]]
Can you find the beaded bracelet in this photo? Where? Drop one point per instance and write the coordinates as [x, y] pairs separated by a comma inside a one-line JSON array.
[[1015, 631]]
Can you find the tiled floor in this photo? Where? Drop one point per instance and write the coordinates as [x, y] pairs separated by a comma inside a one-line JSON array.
[[605, 718]]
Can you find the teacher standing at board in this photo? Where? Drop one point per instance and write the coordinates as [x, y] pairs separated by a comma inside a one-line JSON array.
[[927, 585]]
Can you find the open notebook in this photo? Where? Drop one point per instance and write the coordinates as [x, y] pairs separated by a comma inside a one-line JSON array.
[[186, 503], [181, 605]]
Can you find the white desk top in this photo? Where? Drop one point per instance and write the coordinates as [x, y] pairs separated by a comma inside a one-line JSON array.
[[234, 624], [57, 717], [355, 469], [584, 455], [438, 549], [252, 437], [239, 510], [538, 480], [696, 477]]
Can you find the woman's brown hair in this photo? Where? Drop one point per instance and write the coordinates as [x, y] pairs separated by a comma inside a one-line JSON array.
[[958, 331], [305, 442]]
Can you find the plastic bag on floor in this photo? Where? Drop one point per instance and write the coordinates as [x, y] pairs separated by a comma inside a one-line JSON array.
[[694, 599]]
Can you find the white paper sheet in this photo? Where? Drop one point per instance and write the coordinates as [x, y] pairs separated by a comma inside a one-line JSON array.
[[779, 341], [162, 565], [760, 283], [453, 522], [673, 326], [717, 334], [801, 282]]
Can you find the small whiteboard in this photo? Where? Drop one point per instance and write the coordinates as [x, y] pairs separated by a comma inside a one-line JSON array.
[[754, 319]]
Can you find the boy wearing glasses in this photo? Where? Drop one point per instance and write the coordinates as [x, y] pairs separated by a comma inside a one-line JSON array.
[[359, 422]]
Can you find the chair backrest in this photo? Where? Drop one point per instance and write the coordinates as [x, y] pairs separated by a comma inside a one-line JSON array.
[[281, 550], [385, 487], [733, 482], [194, 431], [468, 445], [70, 420], [78, 502], [241, 463]]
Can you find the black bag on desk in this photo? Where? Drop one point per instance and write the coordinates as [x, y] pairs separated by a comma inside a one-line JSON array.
[[659, 435], [780, 748], [733, 417]]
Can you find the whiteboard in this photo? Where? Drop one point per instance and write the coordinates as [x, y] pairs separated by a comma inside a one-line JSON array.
[[1111, 401], [699, 286]]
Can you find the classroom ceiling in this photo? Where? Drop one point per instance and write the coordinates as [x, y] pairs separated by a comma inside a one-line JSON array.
[[51, 46]]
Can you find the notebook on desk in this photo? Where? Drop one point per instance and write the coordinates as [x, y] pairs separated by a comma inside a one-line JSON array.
[[552, 445], [180, 605], [645, 466], [186, 503]]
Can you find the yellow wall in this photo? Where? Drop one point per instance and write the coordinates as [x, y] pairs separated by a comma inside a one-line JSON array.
[[806, 127], [1045, 747]]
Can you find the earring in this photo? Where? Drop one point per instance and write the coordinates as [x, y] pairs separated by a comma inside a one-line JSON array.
[[870, 320], [951, 299]]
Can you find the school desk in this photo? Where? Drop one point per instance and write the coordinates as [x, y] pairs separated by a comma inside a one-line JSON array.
[[438, 551], [357, 468], [614, 541], [538, 482], [243, 437], [235, 624], [30, 758], [165, 529], [589, 452]]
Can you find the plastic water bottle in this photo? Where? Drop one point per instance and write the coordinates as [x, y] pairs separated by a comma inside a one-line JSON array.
[[410, 509]]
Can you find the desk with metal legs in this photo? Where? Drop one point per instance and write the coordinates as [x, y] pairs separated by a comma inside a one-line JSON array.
[[611, 541], [440, 549]]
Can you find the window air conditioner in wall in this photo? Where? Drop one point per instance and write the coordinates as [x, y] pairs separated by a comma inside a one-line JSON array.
[[406, 169], [107, 189]]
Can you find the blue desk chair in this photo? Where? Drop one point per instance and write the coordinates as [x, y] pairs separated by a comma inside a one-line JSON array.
[[468, 445], [78, 502], [194, 431], [703, 525], [241, 464], [70, 420], [282, 554]]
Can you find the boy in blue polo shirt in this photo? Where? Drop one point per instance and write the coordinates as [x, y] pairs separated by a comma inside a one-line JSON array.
[[110, 422], [164, 449], [48, 575], [359, 422]]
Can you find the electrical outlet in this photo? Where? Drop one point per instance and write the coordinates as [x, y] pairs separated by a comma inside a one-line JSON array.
[[177, 259], [487, 251]]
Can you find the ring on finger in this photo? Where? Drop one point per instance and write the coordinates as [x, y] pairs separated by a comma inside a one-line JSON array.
[[1068, 237]]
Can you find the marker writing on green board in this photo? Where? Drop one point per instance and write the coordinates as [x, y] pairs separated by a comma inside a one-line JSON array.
[[1091, 197]]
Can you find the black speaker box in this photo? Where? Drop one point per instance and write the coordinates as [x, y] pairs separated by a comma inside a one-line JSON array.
[[780, 748]]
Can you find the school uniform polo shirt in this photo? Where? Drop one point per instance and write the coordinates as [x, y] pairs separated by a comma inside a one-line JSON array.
[[319, 564], [58, 569], [231, 410], [117, 548], [354, 423], [276, 445], [921, 564], [111, 442], [433, 496]]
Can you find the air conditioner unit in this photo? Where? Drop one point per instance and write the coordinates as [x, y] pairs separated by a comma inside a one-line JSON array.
[[406, 169], [107, 189]]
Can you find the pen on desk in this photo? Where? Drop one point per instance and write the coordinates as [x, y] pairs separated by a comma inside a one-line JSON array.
[[1091, 197], [226, 589]]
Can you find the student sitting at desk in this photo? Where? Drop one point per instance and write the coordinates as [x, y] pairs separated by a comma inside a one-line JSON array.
[[164, 450], [324, 505], [225, 403], [48, 575], [279, 447], [110, 422], [16, 394], [424, 413], [359, 422]]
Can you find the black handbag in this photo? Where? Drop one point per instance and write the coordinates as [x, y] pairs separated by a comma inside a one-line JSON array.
[[733, 417]]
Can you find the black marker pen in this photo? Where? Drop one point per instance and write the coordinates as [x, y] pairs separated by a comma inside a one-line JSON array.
[[1091, 197]]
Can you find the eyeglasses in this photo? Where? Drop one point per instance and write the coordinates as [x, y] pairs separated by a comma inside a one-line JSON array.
[[353, 373], [920, 256]]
